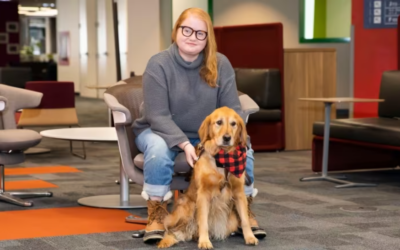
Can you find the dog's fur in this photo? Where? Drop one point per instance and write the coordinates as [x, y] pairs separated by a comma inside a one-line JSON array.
[[215, 202]]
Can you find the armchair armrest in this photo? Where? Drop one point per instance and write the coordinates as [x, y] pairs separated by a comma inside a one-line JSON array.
[[248, 106], [17, 99], [31, 98], [121, 114], [3, 102], [20, 98]]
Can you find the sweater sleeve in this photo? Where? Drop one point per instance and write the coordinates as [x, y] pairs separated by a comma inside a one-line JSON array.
[[228, 94], [156, 109]]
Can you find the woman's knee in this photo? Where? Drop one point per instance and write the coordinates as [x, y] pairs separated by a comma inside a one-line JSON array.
[[149, 142], [159, 150], [155, 149]]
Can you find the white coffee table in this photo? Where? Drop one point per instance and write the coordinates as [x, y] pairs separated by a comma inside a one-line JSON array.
[[100, 134]]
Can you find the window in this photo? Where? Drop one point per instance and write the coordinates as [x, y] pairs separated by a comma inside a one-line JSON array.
[[324, 21]]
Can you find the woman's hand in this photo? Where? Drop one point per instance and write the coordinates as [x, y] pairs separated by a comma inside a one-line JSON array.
[[190, 152]]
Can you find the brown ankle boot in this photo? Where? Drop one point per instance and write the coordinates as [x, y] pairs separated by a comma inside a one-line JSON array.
[[157, 211], [258, 232]]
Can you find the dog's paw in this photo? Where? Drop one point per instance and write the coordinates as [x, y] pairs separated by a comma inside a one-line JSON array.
[[168, 241], [165, 244], [251, 241], [205, 244]]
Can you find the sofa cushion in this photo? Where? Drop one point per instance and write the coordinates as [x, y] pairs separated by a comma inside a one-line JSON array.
[[262, 85], [266, 115], [371, 130], [15, 77], [18, 139], [389, 91]]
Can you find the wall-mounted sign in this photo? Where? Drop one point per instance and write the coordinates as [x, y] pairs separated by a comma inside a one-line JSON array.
[[64, 48], [381, 13]]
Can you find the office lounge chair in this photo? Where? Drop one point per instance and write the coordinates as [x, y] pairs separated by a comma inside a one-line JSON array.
[[14, 141]]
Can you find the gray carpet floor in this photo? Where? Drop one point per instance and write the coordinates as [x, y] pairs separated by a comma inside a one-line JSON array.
[[296, 215]]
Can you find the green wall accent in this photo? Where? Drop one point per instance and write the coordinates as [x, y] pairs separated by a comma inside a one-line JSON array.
[[338, 18], [302, 39], [211, 9], [320, 19]]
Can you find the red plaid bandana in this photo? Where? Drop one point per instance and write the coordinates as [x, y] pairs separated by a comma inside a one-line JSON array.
[[234, 162]]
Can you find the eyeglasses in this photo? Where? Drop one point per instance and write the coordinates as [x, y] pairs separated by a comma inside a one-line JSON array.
[[200, 35]]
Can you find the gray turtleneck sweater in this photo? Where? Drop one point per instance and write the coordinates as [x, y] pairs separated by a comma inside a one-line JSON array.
[[177, 100]]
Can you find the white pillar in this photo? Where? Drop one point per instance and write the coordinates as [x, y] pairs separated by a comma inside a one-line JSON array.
[[106, 63], [88, 47], [68, 21], [123, 37], [48, 36]]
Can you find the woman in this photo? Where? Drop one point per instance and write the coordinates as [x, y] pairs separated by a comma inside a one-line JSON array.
[[181, 86]]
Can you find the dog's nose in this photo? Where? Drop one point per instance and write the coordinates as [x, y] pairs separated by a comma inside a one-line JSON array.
[[226, 138]]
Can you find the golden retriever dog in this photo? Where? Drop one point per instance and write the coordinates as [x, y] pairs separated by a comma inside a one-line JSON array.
[[215, 203]]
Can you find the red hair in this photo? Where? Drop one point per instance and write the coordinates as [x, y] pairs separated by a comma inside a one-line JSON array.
[[209, 70]]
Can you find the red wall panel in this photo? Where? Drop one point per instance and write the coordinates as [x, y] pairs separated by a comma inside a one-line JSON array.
[[398, 43], [8, 13], [252, 46], [375, 51]]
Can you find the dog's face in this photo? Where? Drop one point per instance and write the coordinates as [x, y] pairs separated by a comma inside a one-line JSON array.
[[224, 127]]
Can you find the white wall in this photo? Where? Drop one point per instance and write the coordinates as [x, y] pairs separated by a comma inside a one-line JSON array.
[[236, 12], [90, 23], [165, 23], [68, 20], [178, 6], [143, 33]]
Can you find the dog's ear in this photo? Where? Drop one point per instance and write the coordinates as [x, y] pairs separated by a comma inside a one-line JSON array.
[[242, 133], [204, 130]]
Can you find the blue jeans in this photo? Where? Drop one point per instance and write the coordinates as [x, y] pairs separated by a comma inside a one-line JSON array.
[[159, 163]]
